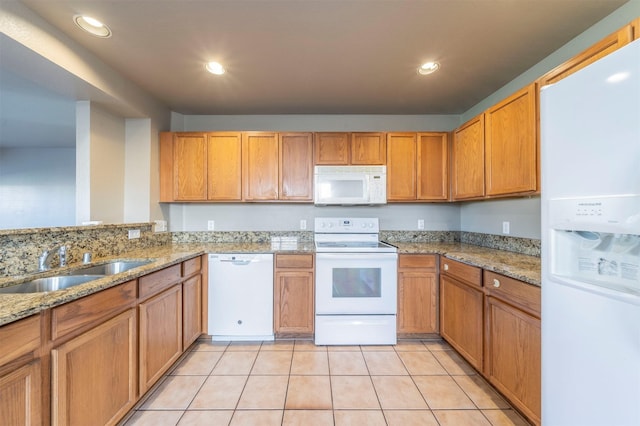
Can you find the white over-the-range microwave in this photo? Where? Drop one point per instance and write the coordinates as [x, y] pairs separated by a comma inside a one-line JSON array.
[[350, 185]]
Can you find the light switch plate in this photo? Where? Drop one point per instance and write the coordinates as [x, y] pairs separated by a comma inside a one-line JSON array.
[[506, 227]]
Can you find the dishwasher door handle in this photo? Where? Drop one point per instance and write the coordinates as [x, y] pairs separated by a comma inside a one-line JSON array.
[[237, 262]]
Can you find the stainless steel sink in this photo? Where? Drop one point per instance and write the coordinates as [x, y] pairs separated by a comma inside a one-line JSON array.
[[42, 285], [110, 268]]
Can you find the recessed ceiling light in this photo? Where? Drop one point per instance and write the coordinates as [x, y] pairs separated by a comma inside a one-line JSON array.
[[92, 26], [428, 68], [215, 68]]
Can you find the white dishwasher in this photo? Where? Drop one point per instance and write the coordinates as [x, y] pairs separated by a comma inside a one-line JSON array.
[[241, 296]]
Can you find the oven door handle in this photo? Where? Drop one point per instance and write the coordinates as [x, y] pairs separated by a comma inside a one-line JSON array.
[[356, 256]]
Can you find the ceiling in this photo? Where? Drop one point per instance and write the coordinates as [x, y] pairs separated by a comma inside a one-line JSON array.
[[325, 56]]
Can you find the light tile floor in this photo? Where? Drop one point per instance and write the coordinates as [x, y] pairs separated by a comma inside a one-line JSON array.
[[298, 383]]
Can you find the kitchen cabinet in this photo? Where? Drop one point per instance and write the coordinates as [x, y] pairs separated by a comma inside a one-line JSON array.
[[512, 341], [90, 336], [417, 167], [417, 294], [600, 49], [294, 295], [160, 323], [183, 167], [200, 166], [21, 373], [635, 24], [259, 166], [462, 309], [94, 374], [342, 148], [192, 301], [511, 145], [295, 166], [224, 166], [467, 167]]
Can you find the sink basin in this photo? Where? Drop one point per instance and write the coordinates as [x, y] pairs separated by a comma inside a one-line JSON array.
[[42, 285], [109, 268]]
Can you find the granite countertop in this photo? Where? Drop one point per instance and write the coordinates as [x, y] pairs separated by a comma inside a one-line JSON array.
[[515, 265], [17, 306]]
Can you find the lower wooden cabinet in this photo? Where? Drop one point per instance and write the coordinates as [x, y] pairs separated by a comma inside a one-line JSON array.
[[461, 309], [512, 342], [160, 334], [86, 388], [191, 310], [20, 395], [417, 294], [293, 295]]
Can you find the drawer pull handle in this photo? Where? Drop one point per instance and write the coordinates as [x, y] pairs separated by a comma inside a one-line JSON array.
[[496, 283], [446, 266]]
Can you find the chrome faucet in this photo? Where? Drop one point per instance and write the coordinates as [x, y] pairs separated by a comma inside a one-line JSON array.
[[45, 258]]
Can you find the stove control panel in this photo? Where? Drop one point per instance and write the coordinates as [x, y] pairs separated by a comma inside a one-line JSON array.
[[351, 225]]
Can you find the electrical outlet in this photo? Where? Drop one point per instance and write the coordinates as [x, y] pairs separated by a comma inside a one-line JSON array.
[[303, 224], [506, 227], [134, 233], [160, 226], [420, 223], [211, 225]]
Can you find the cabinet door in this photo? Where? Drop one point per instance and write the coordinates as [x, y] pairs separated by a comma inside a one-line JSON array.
[[160, 335], [331, 148], [401, 166], [368, 148], [294, 302], [417, 302], [260, 166], [93, 376], [432, 166], [461, 316], [635, 24], [191, 310], [296, 166], [513, 355], [20, 395], [468, 160], [511, 148], [190, 166], [224, 166], [600, 49]]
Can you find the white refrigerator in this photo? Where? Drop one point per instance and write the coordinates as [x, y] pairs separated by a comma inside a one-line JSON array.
[[590, 150]]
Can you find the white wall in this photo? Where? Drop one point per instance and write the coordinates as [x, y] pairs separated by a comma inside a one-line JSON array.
[[37, 187], [286, 217], [523, 215], [317, 123]]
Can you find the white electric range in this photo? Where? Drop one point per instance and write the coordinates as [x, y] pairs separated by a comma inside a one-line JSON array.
[[356, 283]]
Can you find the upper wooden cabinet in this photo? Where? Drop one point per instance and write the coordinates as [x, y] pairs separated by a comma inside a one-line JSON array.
[[417, 166], [341, 148], [635, 24], [260, 166], [368, 148], [602, 48], [511, 145], [224, 166], [296, 168], [467, 167], [183, 166], [236, 166]]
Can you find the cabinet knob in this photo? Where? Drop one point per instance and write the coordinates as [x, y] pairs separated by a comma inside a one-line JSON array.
[[496, 282], [446, 266]]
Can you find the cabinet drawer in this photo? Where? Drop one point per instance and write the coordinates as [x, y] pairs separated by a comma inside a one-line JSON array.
[[158, 281], [467, 273], [75, 316], [191, 266], [425, 261], [518, 293], [298, 261], [19, 338]]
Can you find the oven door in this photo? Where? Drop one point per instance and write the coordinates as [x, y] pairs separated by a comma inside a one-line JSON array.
[[356, 283]]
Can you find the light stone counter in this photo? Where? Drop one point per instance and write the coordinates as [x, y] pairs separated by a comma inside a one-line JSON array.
[[17, 306]]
